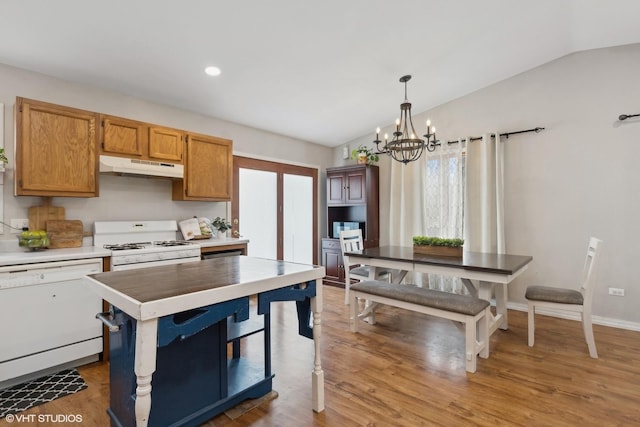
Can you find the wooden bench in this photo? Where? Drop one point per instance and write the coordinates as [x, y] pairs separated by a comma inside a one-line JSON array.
[[472, 312]]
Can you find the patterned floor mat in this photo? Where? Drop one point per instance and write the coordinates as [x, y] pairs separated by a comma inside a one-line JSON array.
[[42, 390]]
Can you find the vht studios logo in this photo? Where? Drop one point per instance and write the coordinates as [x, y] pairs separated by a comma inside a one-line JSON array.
[[43, 418]]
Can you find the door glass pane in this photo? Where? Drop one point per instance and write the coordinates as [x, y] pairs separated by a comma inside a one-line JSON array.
[[298, 218], [258, 212]]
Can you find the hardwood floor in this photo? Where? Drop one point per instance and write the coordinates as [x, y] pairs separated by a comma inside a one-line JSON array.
[[408, 370]]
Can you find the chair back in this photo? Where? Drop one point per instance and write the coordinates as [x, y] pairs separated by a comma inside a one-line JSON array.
[[586, 285], [351, 240]]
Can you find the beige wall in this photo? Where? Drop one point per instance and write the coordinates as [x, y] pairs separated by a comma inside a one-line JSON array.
[[139, 198], [576, 179]]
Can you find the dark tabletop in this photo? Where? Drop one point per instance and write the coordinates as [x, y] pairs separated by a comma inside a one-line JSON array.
[[486, 262]]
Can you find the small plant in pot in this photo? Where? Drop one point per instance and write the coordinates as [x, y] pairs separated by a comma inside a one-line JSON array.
[[3, 158], [364, 155], [222, 225]]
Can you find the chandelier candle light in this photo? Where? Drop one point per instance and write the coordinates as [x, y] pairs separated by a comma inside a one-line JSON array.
[[405, 146]]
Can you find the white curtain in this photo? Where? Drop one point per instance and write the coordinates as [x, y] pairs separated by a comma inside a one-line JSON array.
[[407, 217], [484, 204], [444, 208], [444, 190], [427, 198]]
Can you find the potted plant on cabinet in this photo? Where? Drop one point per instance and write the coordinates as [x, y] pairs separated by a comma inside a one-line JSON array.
[[364, 155], [437, 246], [222, 225]]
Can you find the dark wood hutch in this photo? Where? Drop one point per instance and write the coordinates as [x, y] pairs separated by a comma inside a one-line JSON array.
[[352, 196]]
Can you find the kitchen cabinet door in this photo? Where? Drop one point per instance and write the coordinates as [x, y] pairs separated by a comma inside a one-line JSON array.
[[166, 144], [55, 150], [122, 136], [208, 172]]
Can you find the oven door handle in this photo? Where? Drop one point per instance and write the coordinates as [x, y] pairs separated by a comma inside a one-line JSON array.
[[108, 321]]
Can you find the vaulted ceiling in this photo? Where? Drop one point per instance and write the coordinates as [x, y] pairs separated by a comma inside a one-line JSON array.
[[324, 71]]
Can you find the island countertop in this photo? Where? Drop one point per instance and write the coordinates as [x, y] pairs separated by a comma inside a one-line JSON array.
[[159, 291]]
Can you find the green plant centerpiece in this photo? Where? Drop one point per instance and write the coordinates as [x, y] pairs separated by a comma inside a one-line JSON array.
[[364, 155], [222, 225], [437, 246]]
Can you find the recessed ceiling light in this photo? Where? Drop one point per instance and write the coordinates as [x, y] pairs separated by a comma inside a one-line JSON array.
[[212, 71]]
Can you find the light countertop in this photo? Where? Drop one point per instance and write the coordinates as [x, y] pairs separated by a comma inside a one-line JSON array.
[[22, 256], [12, 254]]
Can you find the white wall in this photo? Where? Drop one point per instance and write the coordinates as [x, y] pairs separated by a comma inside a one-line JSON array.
[[139, 198], [576, 179]]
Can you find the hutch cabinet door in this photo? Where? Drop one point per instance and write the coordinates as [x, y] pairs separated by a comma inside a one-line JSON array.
[[356, 187], [336, 187], [55, 150], [332, 261], [346, 187]]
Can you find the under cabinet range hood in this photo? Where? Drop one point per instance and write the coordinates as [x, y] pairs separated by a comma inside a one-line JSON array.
[[124, 166]]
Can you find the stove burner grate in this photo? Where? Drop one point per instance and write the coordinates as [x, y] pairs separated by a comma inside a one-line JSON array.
[[124, 246], [171, 243]]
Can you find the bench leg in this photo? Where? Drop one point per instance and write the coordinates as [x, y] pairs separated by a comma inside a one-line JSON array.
[[531, 320], [483, 333], [470, 343], [371, 306], [353, 312]]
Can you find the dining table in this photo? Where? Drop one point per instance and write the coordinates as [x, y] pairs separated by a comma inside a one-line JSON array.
[[482, 274]]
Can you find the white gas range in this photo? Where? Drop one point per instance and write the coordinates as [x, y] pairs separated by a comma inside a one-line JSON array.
[[139, 244]]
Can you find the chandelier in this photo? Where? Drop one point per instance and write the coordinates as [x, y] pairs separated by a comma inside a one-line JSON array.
[[405, 146]]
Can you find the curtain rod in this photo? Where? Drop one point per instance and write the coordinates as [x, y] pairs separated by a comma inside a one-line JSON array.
[[506, 134], [627, 116]]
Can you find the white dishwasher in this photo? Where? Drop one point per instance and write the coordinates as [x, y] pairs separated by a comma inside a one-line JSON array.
[[47, 318]]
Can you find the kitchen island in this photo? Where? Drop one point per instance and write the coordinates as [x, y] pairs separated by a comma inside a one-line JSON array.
[[153, 295]]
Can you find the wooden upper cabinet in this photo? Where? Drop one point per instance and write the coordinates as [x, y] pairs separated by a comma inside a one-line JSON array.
[[356, 187], [346, 186], [123, 137], [166, 144], [336, 188], [208, 170], [56, 151]]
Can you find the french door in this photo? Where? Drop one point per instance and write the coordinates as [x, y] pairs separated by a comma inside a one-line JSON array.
[[275, 206]]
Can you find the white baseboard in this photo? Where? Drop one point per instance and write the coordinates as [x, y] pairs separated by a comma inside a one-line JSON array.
[[597, 320]]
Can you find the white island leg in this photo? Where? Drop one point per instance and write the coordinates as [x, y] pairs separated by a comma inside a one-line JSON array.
[[317, 376], [145, 366]]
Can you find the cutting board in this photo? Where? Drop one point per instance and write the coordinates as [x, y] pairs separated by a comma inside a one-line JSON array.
[[64, 233], [39, 215]]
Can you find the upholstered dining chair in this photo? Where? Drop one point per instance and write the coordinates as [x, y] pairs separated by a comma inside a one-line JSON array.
[[351, 240], [568, 299]]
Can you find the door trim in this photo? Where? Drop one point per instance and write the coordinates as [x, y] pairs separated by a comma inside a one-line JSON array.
[[280, 169]]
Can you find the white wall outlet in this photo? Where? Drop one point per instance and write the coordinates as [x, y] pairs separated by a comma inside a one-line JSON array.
[[616, 292], [18, 224]]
